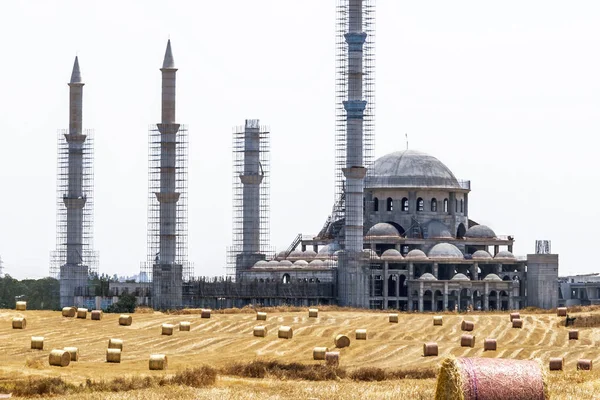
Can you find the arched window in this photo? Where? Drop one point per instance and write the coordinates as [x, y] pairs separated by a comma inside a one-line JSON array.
[[376, 204], [462, 205], [286, 278], [420, 204], [404, 204], [434, 205], [445, 205], [390, 204]]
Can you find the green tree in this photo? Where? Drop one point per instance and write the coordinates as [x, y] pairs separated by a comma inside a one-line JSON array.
[[126, 304]]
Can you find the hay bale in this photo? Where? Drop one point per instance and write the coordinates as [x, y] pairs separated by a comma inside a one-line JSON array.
[[260, 331], [261, 316], [490, 378], [96, 315], [514, 315], [437, 320], [167, 329], [561, 311], [185, 326], [73, 352], [319, 353], [205, 313], [556, 363], [467, 341], [19, 323], [158, 362], [490, 345], [82, 313], [125, 319], [313, 313], [59, 358], [584, 364], [517, 323], [430, 349], [393, 318], [285, 332], [69, 312], [467, 325], [574, 334], [361, 334], [21, 305], [113, 355], [37, 343], [115, 344], [341, 341], [332, 358]]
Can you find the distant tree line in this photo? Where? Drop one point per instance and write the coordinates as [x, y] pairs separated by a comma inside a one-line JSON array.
[[40, 294]]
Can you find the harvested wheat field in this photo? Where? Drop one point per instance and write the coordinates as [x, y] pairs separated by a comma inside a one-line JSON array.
[[392, 355]]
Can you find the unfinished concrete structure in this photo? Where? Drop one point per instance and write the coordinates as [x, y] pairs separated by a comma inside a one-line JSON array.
[[74, 257]]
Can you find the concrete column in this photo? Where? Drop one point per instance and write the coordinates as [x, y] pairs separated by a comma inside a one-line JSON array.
[[510, 298], [510, 248], [421, 293], [496, 250], [411, 272], [435, 270], [486, 297], [445, 296], [498, 304], [410, 300], [385, 285], [474, 273], [458, 298], [466, 204], [398, 289]]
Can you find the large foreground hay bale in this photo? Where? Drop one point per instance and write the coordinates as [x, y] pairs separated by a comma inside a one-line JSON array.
[[125, 319], [467, 341], [341, 341], [438, 320], [556, 363], [113, 356], [584, 364], [205, 313], [393, 318], [261, 316], [430, 349], [285, 332], [319, 353], [59, 358], [115, 344], [514, 315], [490, 379], [332, 358], [313, 313], [21, 305], [82, 313], [37, 343], [517, 323], [73, 352], [361, 334], [574, 334], [467, 325], [260, 331], [19, 323], [158, 362], [167, 329], [490, 345], [185, 326], [561, 311], [96, 315], [69, 312]]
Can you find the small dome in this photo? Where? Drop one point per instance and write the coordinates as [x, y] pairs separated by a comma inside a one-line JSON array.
[[436, 229], [301, 262], [273, 263], [316, 263], [329, 263], [505, 254], [492, 277], [281, 255], [383, 229], [445, 250], [368, 253], [329, 249], [482, 255], [285, 263], [416, 254], [391, 254], [460, 277], [261, 264], [309, 253], [427, 277], [480, 232]]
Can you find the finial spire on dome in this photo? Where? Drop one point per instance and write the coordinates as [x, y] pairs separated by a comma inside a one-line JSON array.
[[76, 74], [168, 62]]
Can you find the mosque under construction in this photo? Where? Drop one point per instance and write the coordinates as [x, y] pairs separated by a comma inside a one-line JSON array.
[[399, 235]]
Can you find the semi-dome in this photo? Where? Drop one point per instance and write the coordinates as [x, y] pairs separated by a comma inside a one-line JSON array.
[[492, 277], [504, 254], [481, 255], [480, 232], [281, 255], [301, 263], [262, 264], [409, 169], [296, 254], [391, 254], [309, 253], [460, 277], [416, 254], [329, 249], [437, 229], [316, 263], [274, 263], [285, 263], [383, 229], [445, 250], [427, 277]]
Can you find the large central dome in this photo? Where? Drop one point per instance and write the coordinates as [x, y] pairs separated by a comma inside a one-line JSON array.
[[409, 169]]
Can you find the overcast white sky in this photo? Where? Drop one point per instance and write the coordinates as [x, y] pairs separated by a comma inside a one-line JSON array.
[[507, 94]]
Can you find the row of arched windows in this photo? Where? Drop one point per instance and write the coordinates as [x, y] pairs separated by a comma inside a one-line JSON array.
[[389, 205]]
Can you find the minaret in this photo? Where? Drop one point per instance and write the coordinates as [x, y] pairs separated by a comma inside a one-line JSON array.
[[251, 179]]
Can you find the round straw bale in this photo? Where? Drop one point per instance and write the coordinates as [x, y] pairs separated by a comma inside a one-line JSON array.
[[82, 313], [437, 320], [332, 358], [260, 331], [96, 315], [69, 312], [125, 319], [361, 334], [167, 329], [319, 353], [430, 349], [19, 323], [393, 318], [21, 305], [574, 334], [490, 345], [467, 325], [74, 352], [261, 316], [37, 343], [490, 378], [115, 344], [561, 311], [113, 355], [515, 315], [313, 313], [556, 363], [59, 358], [205, 313], [341, 341], [467, 341], [517, 323], [584, 364], [285, 332], [185, 326], [158, 362]]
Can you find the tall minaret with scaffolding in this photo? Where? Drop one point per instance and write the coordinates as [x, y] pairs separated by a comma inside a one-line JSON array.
[[167, 265], [74, 257]]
